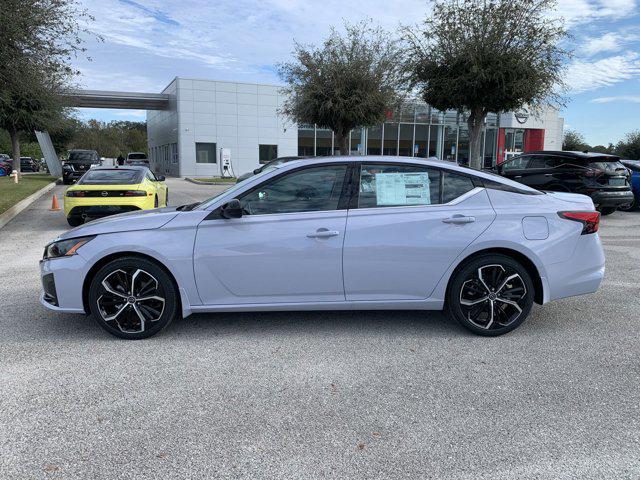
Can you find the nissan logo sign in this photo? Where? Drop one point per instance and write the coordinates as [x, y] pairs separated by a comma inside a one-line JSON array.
[[521, 115], [105, 194]]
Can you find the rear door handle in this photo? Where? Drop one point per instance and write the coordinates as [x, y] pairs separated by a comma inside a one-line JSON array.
[[459, 219], [518, 176], [323, 233]]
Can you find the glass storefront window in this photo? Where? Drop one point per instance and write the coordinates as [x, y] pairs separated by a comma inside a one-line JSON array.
[[422, 114], [407, 113], [420, 144], [450, 143], [324, 142], [490, 147], [390, 145], [463, 145], [356, 142], [374, 137], [306, 140], [406, 140], [435, 141]]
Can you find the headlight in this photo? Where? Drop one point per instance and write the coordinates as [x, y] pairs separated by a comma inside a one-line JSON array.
[[65, 248]]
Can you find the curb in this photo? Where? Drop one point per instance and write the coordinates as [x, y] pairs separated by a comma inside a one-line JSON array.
[[200, 182], [23, 204]]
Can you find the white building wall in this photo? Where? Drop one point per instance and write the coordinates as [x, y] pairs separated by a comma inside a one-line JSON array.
[[546, 119], [162, 136], [237, 116]]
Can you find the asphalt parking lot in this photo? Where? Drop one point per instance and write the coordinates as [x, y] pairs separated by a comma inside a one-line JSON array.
[[316, 394]]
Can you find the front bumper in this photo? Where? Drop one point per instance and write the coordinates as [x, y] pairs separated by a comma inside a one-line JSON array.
[[62, 280], [612, 198], [100, 207]]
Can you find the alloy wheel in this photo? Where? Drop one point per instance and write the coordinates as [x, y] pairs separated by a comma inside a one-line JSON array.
[[130, 299], [493, 297]]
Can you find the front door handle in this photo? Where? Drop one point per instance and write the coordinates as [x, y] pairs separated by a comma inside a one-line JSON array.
[[323, 233], [518, 176], [459, 219]]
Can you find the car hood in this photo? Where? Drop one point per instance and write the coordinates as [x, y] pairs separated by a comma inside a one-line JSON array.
[[124, 222]]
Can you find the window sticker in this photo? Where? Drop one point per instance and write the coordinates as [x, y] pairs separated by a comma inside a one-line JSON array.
[[403, 189]]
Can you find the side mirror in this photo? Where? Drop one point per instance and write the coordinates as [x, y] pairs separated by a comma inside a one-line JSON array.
[[232, 209], [257, 171], [161, 178]]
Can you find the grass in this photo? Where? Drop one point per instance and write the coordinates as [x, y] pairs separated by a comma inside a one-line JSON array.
[[10, 193], [215, 179]]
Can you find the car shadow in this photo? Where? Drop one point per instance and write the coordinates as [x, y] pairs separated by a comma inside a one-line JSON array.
[[63, 327]]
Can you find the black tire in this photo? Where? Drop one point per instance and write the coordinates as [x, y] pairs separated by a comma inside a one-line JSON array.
[[166, 198], [607, 210], [631, 207], [494, 316], [155, 202], [74, 220], [67, 182], [120, 311]]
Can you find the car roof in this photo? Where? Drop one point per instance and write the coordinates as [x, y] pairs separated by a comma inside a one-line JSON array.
[[127, 167], [429, 162], [574, 154]]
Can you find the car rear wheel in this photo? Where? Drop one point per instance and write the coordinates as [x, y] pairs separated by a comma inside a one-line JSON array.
[[133, 298], [491, 295]]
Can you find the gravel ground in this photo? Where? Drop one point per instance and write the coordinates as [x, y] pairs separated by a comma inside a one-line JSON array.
[[314, 395]]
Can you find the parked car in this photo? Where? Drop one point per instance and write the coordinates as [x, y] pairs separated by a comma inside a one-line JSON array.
[[28, 164], [77, 164], [5, 164], [103, 191], [598, 175], [634, 168], [137, 158], [272, 163], [335, 233]]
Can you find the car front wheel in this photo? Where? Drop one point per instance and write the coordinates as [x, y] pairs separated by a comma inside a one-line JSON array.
[[133, 298], [491, 295]]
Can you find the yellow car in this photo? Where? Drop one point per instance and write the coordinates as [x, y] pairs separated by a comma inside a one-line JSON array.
[[103, 191]]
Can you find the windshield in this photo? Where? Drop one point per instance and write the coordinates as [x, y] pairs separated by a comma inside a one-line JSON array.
[[137, 156], [111, 177], [238, 186], [83, 157]]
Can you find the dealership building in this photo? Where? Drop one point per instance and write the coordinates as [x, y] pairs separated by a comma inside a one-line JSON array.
[[209, 126]]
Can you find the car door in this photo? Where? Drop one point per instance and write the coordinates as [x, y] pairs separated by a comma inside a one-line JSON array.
[[157, 187], [286, 247], [407, 226], [541, 172]]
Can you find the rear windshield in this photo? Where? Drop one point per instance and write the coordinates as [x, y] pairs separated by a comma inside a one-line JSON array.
[[137, 156], [607, 166], [111, 177], [83, 157]]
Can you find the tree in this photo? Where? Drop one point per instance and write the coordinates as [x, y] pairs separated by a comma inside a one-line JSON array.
[[481, 56], [351, 81], [574, 141], [38, 42], [629, 147], [610, 149]]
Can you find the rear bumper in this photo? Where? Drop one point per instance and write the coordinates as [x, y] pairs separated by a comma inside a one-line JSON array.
[[612, 198], [101, 207], [582, 273]]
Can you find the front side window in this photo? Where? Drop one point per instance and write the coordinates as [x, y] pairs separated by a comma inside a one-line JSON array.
[[309, 190], [389, 185], [206, 153], [267, 153]]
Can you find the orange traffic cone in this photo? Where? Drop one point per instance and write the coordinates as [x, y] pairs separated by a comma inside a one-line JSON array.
[[54, 204]]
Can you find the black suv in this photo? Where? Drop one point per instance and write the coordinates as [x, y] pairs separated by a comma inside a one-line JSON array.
[[603, 177], [79, 162]]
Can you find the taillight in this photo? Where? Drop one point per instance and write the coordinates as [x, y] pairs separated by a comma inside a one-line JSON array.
[[590, 220], [134, 193], [592, 173], [76, 193]]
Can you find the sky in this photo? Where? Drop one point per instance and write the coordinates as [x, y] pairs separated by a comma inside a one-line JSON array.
[[146, 43]]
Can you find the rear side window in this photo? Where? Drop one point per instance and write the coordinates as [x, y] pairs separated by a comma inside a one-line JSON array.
[[110, 177], [455, 186], [542, 161], [517, 163], [391, 185]]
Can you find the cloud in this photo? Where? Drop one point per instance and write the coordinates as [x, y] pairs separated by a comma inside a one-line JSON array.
[[583, 75], [610, 42], [618, 98]]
